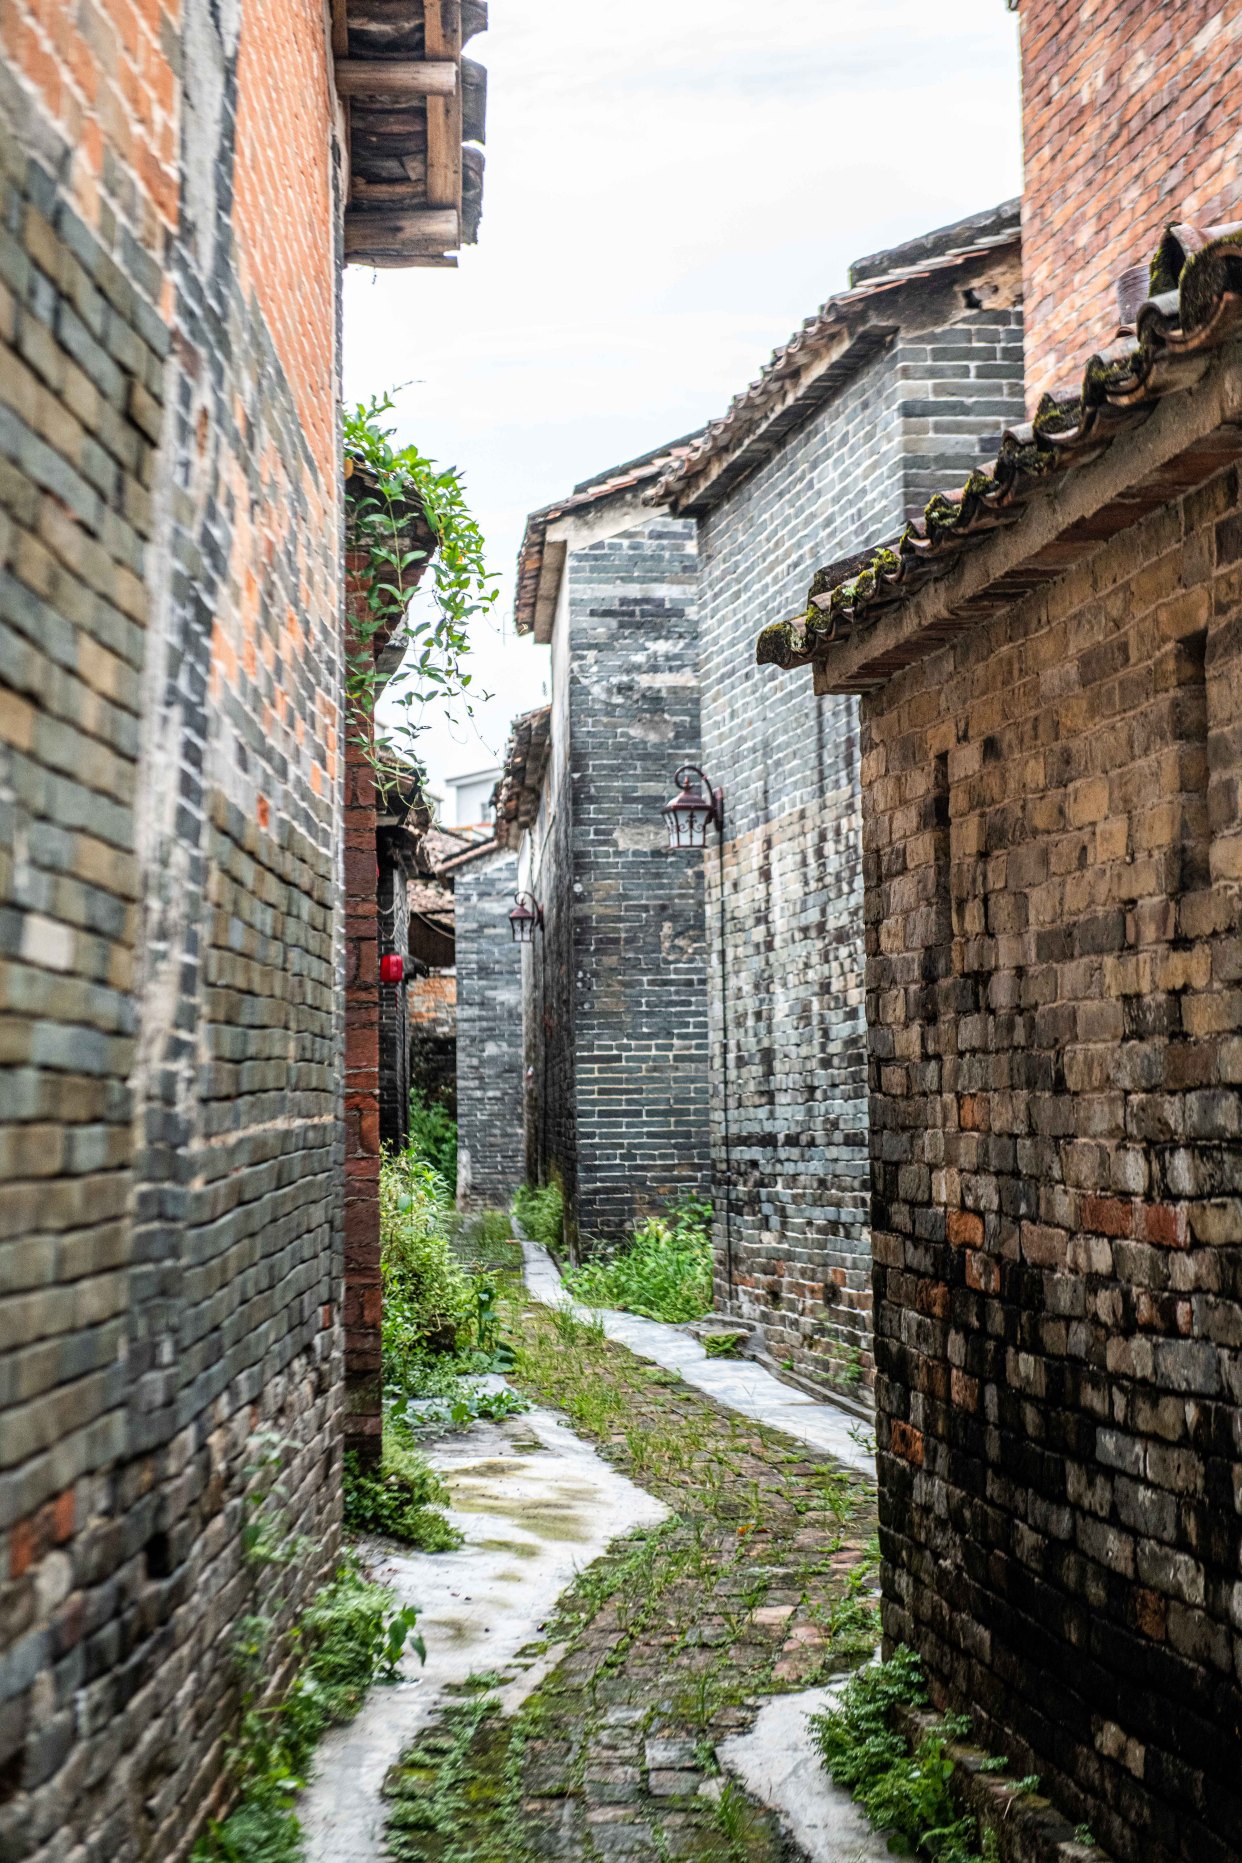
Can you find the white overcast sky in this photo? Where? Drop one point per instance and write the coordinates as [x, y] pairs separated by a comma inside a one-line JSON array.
[[672, 186]]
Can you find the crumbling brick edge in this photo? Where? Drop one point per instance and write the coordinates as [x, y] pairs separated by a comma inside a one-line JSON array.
[[1027, 1827]]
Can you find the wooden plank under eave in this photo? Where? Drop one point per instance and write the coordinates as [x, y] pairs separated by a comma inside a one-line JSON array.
[[398, 195], [396, 77], [373, 231], [340, 28], [415, 260]]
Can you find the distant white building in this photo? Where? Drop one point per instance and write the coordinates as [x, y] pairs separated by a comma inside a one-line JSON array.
[[470, 796]]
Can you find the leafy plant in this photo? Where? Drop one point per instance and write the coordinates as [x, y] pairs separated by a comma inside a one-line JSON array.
[[541, 1213], [487, 1334], [664, 1274], [722, 1345], [427, 1294], [349, 1637], [392, 482], [402, 1499], [906, 1795], [433, 1137]]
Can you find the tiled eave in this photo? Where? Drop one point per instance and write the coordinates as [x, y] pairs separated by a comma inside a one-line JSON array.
[[1159, 411], [831, 347], [526, 760], [415, 113], [541, 558]]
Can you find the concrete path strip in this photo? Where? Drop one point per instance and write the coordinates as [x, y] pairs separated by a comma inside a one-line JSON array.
[[735, 1383], [537, 1506], [780, 1766]]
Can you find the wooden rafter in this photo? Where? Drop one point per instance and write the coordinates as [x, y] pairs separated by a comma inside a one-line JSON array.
[[396, 77], [408, 101]]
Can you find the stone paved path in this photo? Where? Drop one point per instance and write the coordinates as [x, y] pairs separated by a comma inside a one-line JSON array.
[[759, 1582], [736, 1383], [537, 1505]]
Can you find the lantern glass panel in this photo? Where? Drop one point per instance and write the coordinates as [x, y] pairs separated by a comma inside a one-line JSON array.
[[689, 816]]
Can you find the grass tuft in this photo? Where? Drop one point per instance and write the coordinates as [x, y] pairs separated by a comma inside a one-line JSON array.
[[665, 1273], [905, 1795]]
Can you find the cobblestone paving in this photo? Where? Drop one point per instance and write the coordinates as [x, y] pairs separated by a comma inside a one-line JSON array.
[[760, 1582]]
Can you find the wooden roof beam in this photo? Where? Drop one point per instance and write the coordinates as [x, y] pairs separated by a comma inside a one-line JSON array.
[[442, 32], [396, 77]]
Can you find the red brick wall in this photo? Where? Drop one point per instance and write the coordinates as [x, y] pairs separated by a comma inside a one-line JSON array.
[[363, 1305], [1131, 118]]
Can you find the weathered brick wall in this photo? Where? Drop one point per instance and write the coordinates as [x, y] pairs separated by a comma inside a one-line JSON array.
[[169, 867], [1131, 119], [1053, 850], [545, 869], [394, 1020], [640, 1011], [931, 405], [431, 1009], [490, 1066]]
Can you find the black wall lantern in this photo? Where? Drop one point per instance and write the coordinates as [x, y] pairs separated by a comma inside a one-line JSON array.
[[526, 914], [695, 810]]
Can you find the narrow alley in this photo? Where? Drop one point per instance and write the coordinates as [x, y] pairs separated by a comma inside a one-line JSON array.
[[620, 931], [642, 1567]]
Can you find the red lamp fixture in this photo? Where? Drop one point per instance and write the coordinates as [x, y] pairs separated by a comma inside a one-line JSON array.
[[527, 913], [695, 809], [392, 968]]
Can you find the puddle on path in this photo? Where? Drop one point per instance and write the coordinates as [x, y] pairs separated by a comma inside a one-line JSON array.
[[537, 1506]]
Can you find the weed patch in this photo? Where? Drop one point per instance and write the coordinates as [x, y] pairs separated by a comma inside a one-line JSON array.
[[664, 1273], [905, 1795], [403, 1499], [349, 1638], [541, 1213], [433, 1136]]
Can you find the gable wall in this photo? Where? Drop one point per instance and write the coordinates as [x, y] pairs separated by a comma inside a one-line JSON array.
[[924, 410]]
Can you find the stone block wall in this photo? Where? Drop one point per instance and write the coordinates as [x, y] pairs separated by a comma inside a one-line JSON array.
[[1053, 851], [170, 940], [1131, 120], [930, 405], [490, 1066]]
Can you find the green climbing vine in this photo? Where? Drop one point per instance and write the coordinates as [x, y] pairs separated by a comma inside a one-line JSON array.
[[433, 637]]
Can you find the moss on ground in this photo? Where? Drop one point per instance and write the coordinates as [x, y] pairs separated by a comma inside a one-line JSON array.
[[760, 1581]]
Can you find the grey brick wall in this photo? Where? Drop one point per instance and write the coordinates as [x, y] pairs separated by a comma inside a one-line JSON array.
[[170, 1036], [616, 1008], [797, 1099], [490, 1092]]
